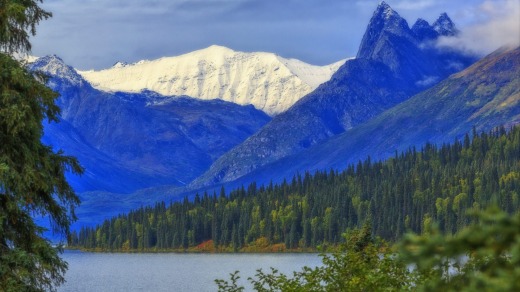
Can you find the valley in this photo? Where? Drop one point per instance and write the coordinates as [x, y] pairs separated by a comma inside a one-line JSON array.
[[143, 140], [176, 145]]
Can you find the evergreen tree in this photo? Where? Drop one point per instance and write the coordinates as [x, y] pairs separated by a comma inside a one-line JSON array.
[[18, 20], [480, 257], [32, 175], [404, 193]]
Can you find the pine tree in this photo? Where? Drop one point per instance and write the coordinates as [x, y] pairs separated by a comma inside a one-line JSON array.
[[18, 20], [405, 193], [32, 175]]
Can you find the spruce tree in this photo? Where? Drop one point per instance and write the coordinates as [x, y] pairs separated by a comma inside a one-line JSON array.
[[32, 175]]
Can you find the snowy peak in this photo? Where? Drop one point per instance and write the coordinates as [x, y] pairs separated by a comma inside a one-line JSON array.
[[387, 19], [444, 26], [215, 50], [120, 64], [385, 10], [267, 81], [54, 66]]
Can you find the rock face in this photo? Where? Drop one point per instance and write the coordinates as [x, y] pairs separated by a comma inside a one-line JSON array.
[[483, 96], [267, 81], [129, 141], [444, 26], [393, 63]]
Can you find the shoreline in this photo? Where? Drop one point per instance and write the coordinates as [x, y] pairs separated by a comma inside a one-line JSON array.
[[190, 251]]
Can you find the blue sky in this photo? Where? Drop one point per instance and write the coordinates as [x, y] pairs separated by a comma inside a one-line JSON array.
[[94, 34]]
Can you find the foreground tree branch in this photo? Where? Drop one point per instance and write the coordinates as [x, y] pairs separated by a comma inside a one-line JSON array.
[[32, 175]]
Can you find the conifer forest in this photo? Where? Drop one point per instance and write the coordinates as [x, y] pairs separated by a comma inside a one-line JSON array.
[[310, 211]]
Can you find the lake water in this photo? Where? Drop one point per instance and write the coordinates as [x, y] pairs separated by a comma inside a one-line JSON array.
[[170, 271]]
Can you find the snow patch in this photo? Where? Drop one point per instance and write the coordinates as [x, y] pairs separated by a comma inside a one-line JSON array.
[[310, 74], [54, 66]]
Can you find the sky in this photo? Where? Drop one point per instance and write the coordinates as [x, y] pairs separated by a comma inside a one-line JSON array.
[[95, 34]]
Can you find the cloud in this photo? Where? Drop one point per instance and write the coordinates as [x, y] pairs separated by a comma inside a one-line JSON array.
[[427, 81], [413, 4], [96, 33], [494, 24]]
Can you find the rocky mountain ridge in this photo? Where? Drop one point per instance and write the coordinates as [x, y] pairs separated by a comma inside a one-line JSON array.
[[483, 96], [393, 64]]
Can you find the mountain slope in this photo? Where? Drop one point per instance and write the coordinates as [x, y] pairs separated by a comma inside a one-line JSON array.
[[129, 141], [265, 80], [392, 64], [484, 96]]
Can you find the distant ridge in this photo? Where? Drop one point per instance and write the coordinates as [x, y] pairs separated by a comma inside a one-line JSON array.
[[470, 99], [393, 63], [265, 80]]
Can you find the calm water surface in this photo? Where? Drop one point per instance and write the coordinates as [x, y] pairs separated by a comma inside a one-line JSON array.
[[170, 271]]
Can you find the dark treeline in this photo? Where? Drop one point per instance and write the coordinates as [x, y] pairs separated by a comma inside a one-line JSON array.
[[404, 193]]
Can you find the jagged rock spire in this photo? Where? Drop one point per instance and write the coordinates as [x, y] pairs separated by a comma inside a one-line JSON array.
[[388, 32], [385, 9], [423, 30], [384, 20], [444, 26]]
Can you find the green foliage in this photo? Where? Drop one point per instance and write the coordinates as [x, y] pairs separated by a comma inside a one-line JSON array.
[[485, 256], [408, 192], [18, 20], [32, 183], [362, 264], [32, 175], [482, 257], [232, 285]]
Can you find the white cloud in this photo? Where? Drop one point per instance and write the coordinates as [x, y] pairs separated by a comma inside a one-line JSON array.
[[413, 4], [427, 81], [496, 24], [96, 33]]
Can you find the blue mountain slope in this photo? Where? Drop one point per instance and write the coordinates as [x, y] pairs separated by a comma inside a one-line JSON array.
[[132, 141], [484, 96], [394, 62]]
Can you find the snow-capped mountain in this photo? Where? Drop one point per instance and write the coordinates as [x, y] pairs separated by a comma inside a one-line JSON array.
[[130, 141], [267, 81], [444, 26], [54, 66]]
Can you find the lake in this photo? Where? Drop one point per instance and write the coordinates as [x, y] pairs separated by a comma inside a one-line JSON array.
[[170, 271]]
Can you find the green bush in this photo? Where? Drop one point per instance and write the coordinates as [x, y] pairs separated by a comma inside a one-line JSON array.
[[485, 256]]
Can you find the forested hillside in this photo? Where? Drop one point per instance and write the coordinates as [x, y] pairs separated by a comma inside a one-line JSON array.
[[404, 193]]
